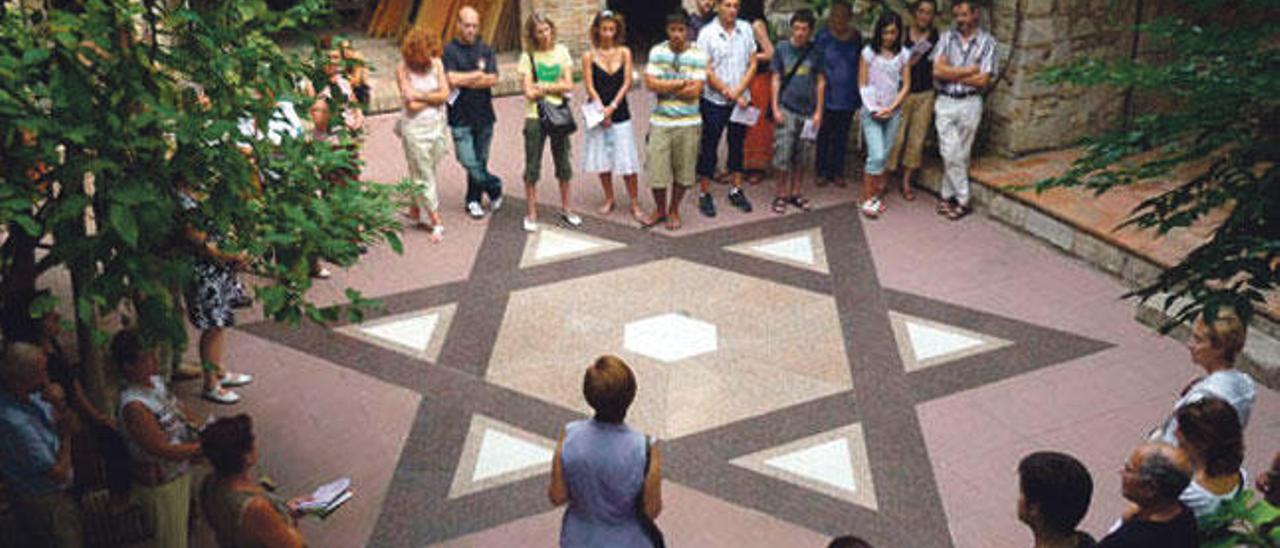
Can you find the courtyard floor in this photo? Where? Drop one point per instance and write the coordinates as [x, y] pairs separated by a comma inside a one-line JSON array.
[[809, 374]]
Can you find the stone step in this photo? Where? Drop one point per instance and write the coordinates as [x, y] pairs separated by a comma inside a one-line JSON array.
[[1261, 356]]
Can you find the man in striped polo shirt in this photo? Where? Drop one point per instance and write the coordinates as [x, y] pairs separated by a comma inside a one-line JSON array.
[[676, 72]]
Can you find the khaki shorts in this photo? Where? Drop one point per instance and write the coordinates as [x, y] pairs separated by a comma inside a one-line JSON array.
[[671, 155]]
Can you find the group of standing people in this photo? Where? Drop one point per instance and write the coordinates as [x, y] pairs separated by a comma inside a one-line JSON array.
[[716, 76]]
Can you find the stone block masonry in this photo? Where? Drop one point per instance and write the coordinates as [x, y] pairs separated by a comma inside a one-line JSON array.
[[572, 19]]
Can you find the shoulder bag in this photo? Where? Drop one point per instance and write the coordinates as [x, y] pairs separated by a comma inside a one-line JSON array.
[[555, 119]]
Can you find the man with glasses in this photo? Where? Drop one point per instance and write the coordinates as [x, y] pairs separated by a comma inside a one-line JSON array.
[[1152, 479]]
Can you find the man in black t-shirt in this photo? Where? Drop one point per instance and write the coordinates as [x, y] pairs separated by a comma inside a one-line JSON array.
[[1152, 480], [472, 70]]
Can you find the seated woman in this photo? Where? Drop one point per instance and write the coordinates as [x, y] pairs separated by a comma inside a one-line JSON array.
[[607, 473], [160, 439], [1210, 433], [241, 513], [1214, 347]]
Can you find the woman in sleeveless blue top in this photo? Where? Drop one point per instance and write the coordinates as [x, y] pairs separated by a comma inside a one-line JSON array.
[[607, 473]]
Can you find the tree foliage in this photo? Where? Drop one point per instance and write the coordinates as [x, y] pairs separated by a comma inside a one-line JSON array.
[[106, 94], [1214, 83]]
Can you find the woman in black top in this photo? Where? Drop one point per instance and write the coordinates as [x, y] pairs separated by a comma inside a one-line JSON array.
[[917, 109], [609, 147]]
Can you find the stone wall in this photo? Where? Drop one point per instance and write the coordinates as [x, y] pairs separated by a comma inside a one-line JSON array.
[[1025, 116], [572, 19]]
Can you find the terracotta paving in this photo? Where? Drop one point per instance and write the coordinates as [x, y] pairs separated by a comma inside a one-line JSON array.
[[808, 374], [1101, 216]]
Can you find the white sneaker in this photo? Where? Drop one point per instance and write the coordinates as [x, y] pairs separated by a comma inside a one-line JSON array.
[[869, 209], [474, 210], [222, 396], [530, 225], [495, 204], [235, 379], [572, 218], [323, 274]]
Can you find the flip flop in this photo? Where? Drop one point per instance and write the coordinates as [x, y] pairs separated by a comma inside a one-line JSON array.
[[801, 202], [780, 205]]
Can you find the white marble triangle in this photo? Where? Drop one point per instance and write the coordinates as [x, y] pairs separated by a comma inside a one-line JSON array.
[[414, 332], [798, 249], [827, 462], [833, 463], [502, 453], [496, 453], [551, 244], [930, 342], [803, 249], [419, 333], [924, 343]]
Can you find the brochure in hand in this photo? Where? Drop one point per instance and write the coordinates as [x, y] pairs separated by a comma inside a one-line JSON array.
[[327, 498]]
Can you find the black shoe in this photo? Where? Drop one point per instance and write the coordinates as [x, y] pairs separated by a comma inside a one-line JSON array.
[[739, 200], [707, 205]]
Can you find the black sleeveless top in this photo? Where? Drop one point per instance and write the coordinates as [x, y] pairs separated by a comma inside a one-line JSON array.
[[607, 86]]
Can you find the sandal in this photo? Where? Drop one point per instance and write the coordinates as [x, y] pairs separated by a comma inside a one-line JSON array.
[[652, 221], [959, 212], [944, 208], [908, 194], [673, 223], [801, 202], [780, 205]]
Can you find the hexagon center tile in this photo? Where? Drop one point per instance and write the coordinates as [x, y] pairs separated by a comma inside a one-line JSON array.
[[669, 337], [709, 347]]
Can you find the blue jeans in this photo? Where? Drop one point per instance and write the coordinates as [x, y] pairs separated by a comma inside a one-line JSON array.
[[471, 144], [833, 142], [879, 135], [714, 119]]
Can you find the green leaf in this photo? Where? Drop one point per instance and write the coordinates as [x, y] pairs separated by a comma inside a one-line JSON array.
[[35, 56], [123, 223]]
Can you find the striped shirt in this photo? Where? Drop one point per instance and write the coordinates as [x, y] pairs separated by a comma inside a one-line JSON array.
[[980, 50], [664, 64], [729, 54]]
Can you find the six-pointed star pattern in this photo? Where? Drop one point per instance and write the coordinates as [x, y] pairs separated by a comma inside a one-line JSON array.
[[780, 376]]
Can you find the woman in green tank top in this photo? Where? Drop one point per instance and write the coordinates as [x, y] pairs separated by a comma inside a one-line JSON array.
[[241, 513]]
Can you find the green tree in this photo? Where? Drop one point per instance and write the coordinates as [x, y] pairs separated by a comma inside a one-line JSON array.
[[1214, 82], [100, 121]]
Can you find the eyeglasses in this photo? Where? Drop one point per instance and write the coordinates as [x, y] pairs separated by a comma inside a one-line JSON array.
[[606, 13]]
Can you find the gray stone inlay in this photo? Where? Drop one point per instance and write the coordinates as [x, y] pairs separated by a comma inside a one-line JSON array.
[[418, 509]]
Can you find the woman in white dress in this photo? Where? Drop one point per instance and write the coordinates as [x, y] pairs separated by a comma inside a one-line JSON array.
[[610, 146]]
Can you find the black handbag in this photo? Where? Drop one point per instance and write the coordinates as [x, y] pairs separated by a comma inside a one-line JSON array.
[[555, 119], [651, 529]]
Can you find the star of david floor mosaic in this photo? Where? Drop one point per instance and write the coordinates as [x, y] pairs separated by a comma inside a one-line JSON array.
[[780, 376], [809, 374]]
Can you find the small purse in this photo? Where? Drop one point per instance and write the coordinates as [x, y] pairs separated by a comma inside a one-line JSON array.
[[555, 119]]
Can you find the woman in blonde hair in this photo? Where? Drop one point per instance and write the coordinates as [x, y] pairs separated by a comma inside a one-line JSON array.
[[610, 147], [608, 474], [424, 89], [1214, 346], [546, 70]]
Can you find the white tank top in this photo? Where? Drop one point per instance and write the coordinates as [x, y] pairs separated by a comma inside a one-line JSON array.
[[424, 82]]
